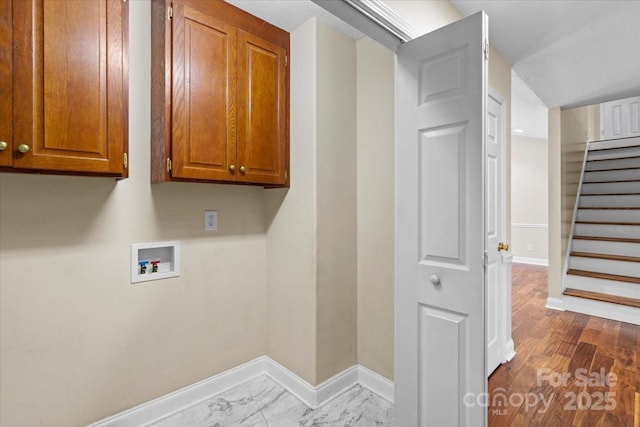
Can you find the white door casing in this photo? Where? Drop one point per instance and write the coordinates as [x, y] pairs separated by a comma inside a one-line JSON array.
[[441, 92]]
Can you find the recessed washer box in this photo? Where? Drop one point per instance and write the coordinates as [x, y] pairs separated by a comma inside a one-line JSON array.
[[154, 261]]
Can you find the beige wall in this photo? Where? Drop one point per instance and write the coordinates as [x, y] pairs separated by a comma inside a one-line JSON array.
[[529, 204], [578, 126], [554, 164], [292, 224], [336, 202], [568, 137], [375, 206], [312, 232], [78, 340]]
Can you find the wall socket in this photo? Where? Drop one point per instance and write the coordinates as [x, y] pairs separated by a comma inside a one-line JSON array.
[[530, 247], [210, 220]]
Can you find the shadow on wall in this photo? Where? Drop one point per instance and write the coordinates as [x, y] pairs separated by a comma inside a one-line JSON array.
[[178, 210], [39, 211]]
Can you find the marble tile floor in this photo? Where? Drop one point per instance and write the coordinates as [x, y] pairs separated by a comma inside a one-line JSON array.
[[261, 402]]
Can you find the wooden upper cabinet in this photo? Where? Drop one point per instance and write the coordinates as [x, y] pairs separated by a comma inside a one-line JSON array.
[[220, 95], [6, 89], [69, 84]]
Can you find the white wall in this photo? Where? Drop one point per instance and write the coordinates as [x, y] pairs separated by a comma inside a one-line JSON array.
[[529, 199], [78, 341]]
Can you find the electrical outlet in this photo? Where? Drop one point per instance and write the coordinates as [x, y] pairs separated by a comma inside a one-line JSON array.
[[210, 220], [530, 247]]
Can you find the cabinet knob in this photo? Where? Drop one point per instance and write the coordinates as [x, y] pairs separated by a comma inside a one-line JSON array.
[[3, 145], [232, 168], [242, 169], [23, 148]]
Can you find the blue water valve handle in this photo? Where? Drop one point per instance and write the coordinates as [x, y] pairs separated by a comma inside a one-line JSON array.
[[143, 266]]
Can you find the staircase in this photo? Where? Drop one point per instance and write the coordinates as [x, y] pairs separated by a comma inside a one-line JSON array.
[[603, 278]]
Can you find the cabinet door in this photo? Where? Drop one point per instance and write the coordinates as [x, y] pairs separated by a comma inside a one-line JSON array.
[[262, 110], [5, 84], [203, 96], [69, 85]]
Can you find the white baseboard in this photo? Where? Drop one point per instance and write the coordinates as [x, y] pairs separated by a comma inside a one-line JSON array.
[[376, 383], [532, 261], [312, 396], [183, 398], [555, 304], [509, 350]]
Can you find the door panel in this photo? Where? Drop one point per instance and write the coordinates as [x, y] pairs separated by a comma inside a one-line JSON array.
[[261, 110], [204, 90], [440, 226], [69, 87], [620, 119], [496, 295]]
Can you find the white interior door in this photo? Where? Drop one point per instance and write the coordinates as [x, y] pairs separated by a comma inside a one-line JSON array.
[[441, 92], [496, 293], [620, 119]]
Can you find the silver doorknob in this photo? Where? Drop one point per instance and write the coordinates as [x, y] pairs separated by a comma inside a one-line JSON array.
[[435, 280], [23, 148], [3, 145]]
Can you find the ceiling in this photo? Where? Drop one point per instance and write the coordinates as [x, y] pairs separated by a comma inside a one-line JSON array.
[[569, 53]]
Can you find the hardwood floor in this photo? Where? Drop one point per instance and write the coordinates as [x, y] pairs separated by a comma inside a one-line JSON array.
[[570, 369]]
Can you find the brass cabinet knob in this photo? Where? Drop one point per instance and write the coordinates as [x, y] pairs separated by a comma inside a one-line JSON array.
[[503, 246], [3, 145], [23, 148], [242, 169], [232, 168]]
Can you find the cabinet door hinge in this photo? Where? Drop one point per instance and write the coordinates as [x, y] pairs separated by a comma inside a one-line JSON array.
[[170, 13], [286, 174], [286, 60], [125, 160], [486, 49], [169, 165]]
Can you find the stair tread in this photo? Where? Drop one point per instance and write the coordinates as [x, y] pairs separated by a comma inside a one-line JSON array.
[[598, 141], [614, 158], [596, 150], [612, 169], [608, 223], [632, 302], [606, 276], [606, 256], [610, 194], [607, 239], [619, 208], [614, 181]]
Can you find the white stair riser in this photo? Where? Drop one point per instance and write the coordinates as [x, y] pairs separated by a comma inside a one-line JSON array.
[[610, 215], [633, 162], [604, 247], [614, 143], [608, 266], [627, 201], [611, 187], [621, 313], [610, 287], [626, 175], [607, 230], [614, 154]]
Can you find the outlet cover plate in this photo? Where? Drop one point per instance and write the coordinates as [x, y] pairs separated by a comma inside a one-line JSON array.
[[210, 220]]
